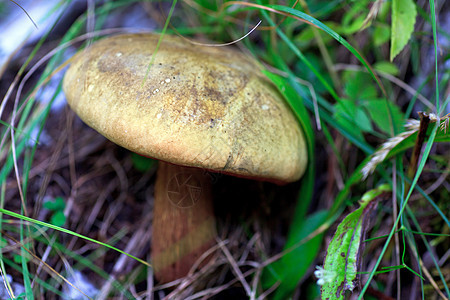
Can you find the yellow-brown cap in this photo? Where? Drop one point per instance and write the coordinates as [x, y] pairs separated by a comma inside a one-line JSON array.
[[199, 106]]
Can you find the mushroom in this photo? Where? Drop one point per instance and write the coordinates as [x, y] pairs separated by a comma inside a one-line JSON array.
[[196, 109]]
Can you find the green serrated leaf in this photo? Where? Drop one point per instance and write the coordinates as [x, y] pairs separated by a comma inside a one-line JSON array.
[[339, 273], [403, 19]]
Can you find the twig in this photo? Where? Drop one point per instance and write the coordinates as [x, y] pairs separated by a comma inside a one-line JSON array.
[[424, 122], [236, 269], [431, 279]]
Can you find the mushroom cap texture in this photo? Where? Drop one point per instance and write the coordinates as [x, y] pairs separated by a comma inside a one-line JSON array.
[[199, 106]]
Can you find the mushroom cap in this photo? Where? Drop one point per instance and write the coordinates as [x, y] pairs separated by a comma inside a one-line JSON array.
[[199, 106]]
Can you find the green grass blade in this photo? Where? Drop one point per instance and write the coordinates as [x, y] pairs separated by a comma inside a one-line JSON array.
[[426, 153], [301, 91], [295, 263], [24, 263], [436, 53], [18, 216], [430, 251], [333, 34], [302, 115], [293, 266], [42, 283]]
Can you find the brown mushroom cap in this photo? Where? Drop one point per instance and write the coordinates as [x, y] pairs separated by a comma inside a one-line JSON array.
[[199, 106]]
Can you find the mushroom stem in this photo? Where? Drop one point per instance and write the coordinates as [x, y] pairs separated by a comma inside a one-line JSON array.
[[183, 221]]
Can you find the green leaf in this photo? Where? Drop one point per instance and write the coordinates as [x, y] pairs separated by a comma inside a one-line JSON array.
[[403, 19], [57, 204], [339, 272], [386, 67], [58, 219], [359, 86], [18, 259], [354, 26], [354, 17], [352, 117], [381, 34], [379, 109], [141, 163]]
